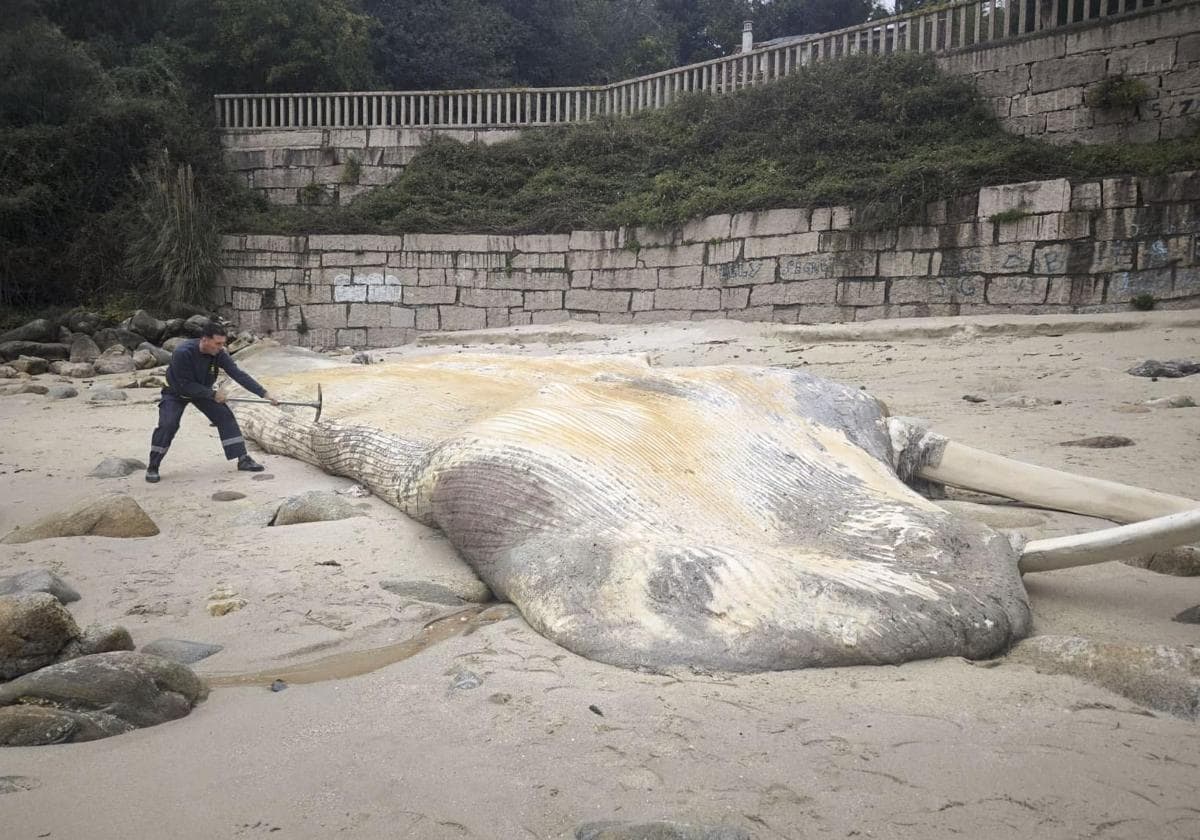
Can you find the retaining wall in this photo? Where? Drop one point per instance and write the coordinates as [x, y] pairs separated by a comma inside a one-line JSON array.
[[1086, 247]]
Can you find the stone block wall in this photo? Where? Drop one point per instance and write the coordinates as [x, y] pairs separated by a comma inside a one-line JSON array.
[[1039, 85], [331, 166], [1040, 247]]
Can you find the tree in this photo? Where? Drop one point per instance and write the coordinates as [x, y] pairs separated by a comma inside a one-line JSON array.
[[273, 46]]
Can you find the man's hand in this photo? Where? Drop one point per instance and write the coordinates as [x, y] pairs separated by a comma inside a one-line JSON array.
[[271, 399], [219, 395]]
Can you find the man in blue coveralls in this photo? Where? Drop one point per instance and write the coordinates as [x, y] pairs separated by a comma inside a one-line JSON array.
[[191, 378]]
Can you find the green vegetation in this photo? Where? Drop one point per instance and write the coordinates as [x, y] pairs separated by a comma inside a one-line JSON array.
[[1143, 302], [1116, 93], [887, 134], [351, 171], [1007, 217]]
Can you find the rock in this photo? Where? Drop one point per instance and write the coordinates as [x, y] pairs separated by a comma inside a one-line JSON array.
[[50, 352], [177, 650], [1175, 401], [173, 328], [33, 629], [419, 590], [1182, 561], [1161, 677], [31, 388], [63, 392], [105, 394], [106, 338], [278, 686], [144, 360], [227, 496], [117, 467], [75, 370], [147, 326], [1173, 369], [161, 357], [8, 372], [262, 477], [194, 327], [219, 608], [465, 681], [40, 330], [972, 398], [314, 506], [151, 382], [657, 831], [173, 343], [113, 515], [1027, 402], [32, 365], [361, 359], [1100, 442], [94, 697], [80, 321], [83, 349], [115, 360], [1189, 616], [38, 580], [356, 491], [95, 639]]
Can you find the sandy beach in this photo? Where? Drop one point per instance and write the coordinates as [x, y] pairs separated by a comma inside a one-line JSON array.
[[487, 730]]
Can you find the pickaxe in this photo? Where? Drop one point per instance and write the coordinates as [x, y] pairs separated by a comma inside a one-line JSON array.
[[317, 405]]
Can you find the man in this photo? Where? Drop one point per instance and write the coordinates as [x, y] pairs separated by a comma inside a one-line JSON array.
[[191, 378]]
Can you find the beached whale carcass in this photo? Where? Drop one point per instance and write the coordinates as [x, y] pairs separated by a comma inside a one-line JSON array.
[[734, 518]]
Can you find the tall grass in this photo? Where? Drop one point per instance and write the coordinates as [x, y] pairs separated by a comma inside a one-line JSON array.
[[173, 252]]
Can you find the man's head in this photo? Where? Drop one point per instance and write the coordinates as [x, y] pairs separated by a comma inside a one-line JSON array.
[[212, 340]]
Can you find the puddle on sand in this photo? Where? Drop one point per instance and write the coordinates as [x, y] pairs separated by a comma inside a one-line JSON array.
[[340, 666]]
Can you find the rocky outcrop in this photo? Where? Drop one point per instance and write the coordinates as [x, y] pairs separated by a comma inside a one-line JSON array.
[[42, 331], [34, 628], [1159, 676], [115, 360], [95, 697], [314, 506], [38, 580], [115, 515], [84, 349]]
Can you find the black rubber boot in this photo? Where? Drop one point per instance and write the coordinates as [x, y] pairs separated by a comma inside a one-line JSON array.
[[152, 475]]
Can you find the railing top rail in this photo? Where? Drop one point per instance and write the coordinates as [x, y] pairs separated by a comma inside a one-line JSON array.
[[414, 92]]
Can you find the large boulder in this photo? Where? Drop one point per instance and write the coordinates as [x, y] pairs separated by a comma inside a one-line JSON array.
[[106, 338], [8, 372], [115, 360], [173, 328], [181, 651], [75, 370], [40, 330], [84, 349], [161, 356], [194, 327], [112, 515], [34, 628], [113, 336], [172, 343], [31, 365], [10, 350], [314, 506], [38, 580], [96, 638], [144, 359], [1158, 676], [147, 326], [81, 321], [95, 697]]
